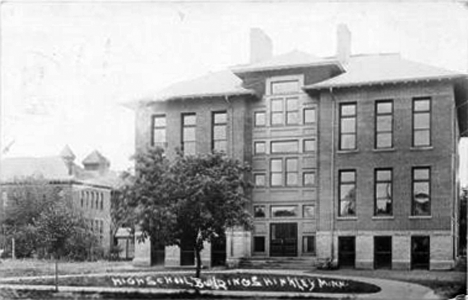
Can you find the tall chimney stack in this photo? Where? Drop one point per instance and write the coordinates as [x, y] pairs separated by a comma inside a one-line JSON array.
[[343, 43], [261, 47]]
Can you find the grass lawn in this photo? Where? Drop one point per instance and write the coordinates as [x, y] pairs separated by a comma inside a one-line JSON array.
[[445, 283], [34, 267]]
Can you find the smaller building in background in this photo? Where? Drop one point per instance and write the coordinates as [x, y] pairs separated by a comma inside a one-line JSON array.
[[87, 187]]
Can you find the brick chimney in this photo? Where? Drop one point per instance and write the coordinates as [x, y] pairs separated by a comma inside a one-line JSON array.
[[343, 43], [261, 47]]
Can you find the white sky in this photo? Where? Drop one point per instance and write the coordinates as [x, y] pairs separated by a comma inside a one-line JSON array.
[[65, 67]]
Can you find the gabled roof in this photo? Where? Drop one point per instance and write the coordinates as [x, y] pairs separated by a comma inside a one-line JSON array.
[[223, 83], [95, 158], [293, 59], [67, 153], [51, 168], [383, 68]]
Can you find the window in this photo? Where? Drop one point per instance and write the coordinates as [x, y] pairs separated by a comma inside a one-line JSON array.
[[277, 111], [308, 211], [292, 111], [276, 172], [259, 180], [189, 123], [292, 170], [285, 146], [308, 178], [284, 211], [284, 87], [259, 147], [92, 199], [219, 131], [421, 122], [159, 131], [347, 193], [383, 192], [82, 198], [102, 201], [348, 129], [259, 211], [259, 118], [259, 244], [310, 116], [384, 124], [421, 204], [308, 244], [309, 145]]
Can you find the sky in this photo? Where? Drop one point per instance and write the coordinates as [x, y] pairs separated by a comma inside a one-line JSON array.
[[66, 68]]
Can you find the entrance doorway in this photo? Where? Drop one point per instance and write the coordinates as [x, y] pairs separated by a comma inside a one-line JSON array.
[[346, 251], [187, 253], [382, 252], [218, 252], [158, 253], [420, 252], [283, 239]]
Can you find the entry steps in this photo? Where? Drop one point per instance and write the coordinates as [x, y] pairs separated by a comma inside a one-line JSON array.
[[299, 263]]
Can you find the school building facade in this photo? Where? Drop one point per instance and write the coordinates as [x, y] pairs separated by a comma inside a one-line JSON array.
[[354, 158]]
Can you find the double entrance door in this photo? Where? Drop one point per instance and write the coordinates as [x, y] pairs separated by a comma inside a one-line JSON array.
[[283, 239]]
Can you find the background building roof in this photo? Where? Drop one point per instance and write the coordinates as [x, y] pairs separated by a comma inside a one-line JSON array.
[[17, 168]]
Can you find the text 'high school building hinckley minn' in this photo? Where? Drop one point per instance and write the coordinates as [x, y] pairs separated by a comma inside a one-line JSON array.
[[354, 157]]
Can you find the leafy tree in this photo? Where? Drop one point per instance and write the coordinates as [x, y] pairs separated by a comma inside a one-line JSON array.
[[192, 199], [36, 210], [24, 202], [121, 212]]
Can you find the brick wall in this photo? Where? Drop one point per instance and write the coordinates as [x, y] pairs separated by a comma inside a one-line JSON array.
[[402, 158]]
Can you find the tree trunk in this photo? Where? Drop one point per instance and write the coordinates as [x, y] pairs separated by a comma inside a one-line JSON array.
[[198, 259]]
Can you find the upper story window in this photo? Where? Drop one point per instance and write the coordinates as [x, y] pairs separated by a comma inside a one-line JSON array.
[[284, 99], [348, 126], [259, 211], [347, 193], [219, 141], [421, 122], [259, 148], [284, 111], [310, 115], [284, 86], [383, 192], [309, 145], [189, 125], [384, 124], [259, 118], [421, 202], [159, 131], [259, 180], [277, 111], [284, 146], [276, 172], [287, 174], [292, 111]]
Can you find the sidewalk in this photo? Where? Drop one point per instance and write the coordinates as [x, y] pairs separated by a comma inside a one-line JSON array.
[[389, 289]]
